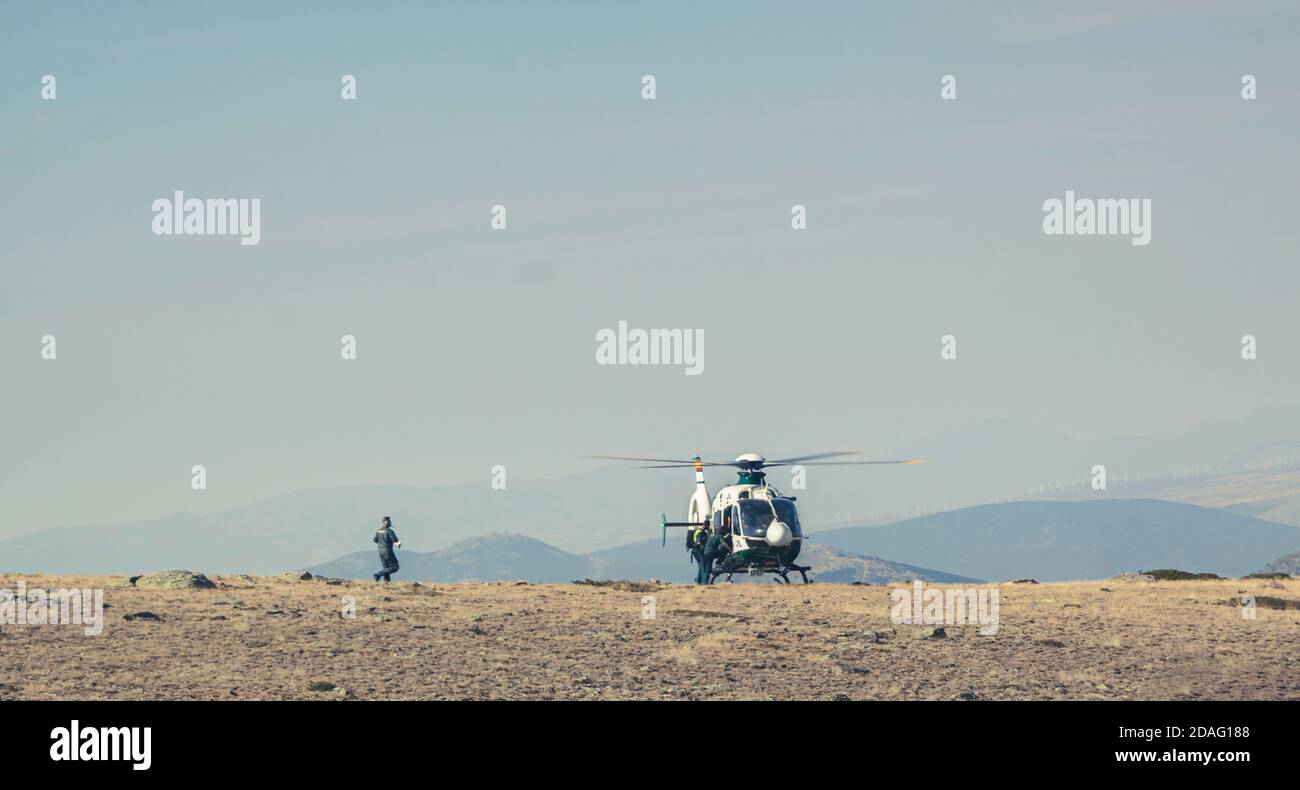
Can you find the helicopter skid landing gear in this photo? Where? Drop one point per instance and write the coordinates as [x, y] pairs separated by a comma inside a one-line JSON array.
[[803, 573], [780, 575]]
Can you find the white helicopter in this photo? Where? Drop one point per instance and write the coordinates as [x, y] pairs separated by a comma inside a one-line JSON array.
[[761, 522]]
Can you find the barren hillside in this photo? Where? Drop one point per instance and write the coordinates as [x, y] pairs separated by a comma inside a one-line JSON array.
[[273, 638]]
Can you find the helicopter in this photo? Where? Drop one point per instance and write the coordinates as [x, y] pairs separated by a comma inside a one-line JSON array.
[[763, 524]]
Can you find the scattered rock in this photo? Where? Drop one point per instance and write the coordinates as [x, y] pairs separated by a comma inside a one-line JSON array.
[[706, 613], [1051, 643], [1174, 575], [1132, 577], [1269, 602], [866, 636], [174, 580], [141, 616], [623, 585]]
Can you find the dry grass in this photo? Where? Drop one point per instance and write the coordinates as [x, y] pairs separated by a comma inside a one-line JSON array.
[[273, 638]]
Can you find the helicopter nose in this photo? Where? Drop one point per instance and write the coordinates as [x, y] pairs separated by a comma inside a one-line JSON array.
[[778, 534]]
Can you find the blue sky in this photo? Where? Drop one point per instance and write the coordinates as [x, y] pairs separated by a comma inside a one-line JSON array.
[[476, 348]]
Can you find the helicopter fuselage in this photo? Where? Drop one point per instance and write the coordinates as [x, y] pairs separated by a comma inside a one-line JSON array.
[[745, 511]]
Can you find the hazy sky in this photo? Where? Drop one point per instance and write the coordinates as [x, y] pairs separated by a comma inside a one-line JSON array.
[[476, 347]]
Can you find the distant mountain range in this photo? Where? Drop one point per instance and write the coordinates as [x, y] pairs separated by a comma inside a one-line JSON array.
[[1268, 493], [1290, 564], [1055, 541], [1048, 541], [614, 504], [843, 567], [503, 556], [594, 516], [494, 557], [308, 527], [963, 469]]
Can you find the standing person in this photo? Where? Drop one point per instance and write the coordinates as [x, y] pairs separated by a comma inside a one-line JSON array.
[[714, 548], [695, 538], [386, 539]]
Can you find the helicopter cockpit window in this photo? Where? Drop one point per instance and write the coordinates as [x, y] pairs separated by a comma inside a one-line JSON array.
[[786, 510], [756, 514]]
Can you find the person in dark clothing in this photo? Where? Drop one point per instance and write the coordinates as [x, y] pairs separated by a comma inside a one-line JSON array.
[[714, 548], [386, 539], [695, 538]]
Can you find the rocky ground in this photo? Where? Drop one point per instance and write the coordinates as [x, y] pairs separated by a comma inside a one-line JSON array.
[[285, 638]]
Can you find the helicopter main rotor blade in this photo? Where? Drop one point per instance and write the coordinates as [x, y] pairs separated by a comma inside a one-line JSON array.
[[851, 463], [799, 458], [670, 461], [805, 460]]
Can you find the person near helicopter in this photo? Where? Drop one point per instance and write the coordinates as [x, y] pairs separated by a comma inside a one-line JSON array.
[[695, 539], [716, 547]]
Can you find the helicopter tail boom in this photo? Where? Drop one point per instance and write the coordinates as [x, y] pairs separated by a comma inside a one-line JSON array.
[[664, 524]]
